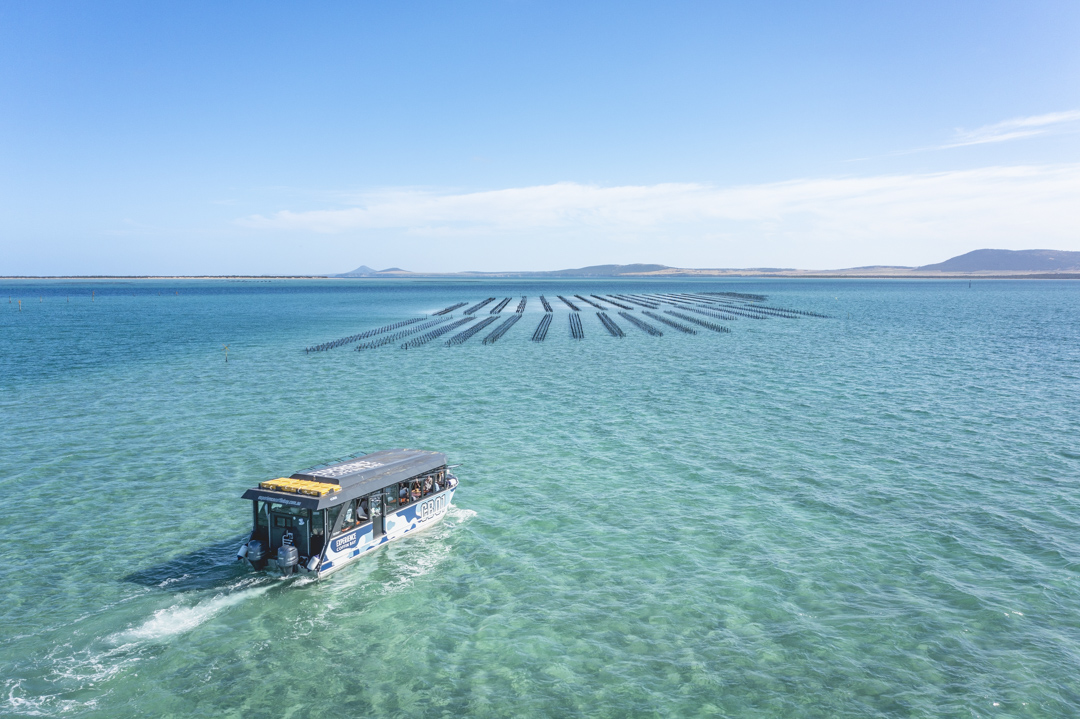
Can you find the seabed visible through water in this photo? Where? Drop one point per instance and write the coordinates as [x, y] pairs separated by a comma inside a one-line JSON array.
[[862, 500]]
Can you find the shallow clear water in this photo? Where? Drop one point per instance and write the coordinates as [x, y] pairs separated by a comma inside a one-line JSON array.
[[870, 515]]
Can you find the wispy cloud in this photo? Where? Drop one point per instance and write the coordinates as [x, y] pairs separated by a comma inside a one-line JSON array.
[[1015, 129], [824, 222]]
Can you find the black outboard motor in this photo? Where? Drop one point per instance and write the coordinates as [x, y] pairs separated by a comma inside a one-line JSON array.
[[287, 559]]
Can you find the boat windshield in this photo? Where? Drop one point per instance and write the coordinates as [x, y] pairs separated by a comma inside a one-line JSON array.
[[288, 509]]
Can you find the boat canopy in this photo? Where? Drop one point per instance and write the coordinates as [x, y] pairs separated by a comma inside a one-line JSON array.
[[355, 477]]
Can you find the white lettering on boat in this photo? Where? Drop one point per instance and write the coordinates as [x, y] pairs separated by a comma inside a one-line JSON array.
[[431, 508], [281, 500], [347, 541], [345, 469]]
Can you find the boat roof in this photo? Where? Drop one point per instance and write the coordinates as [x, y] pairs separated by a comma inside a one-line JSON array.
[[357, 476]]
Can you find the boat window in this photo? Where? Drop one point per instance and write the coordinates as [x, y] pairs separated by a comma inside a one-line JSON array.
[[351, 519], [263, 515], [409, 492], [318, 533], [288, 509], [391, 497], [332, 515]]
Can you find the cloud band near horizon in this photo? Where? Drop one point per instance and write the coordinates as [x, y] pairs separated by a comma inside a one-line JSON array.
[[813, 223]]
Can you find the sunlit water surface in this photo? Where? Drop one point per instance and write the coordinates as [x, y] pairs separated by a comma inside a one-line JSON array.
[[874, 515]]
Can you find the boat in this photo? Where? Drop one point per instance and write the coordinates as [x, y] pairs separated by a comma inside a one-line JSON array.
[[321, 519]]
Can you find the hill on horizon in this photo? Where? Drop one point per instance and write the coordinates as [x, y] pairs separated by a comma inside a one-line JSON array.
[[604, 270], [365, 271], [591, 271], [986, 260], [1009, 261]]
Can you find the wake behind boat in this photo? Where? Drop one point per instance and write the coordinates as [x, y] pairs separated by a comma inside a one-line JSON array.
[[325, 517]]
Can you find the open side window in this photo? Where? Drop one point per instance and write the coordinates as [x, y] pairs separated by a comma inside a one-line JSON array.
[[349, 515], [427, 485], [410, 491]]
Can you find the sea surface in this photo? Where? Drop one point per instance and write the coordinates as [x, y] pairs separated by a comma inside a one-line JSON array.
[[871, 515]]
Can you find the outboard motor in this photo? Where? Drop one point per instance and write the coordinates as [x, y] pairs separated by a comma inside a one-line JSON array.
[[287, 558], [254, 552]]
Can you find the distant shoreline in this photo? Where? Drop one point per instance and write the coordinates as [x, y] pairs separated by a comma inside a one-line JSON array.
[[692, 274]]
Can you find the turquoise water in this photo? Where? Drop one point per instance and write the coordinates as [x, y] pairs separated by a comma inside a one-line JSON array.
[[875, 515]]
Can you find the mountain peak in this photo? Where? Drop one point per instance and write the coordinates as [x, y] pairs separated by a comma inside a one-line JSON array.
[[361, 271], [365, 271]]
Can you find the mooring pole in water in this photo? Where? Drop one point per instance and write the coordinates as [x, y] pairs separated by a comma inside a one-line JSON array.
[[226, 348], [20, 305]]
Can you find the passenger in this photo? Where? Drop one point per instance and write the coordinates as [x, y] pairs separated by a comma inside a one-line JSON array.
[[403, 494], [416, 492], [350, 519], [363, 510], [428, 483]]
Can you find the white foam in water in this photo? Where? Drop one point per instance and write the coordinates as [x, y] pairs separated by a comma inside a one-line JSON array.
[[174, 580], [180, 618], [92, 666], [460, 515]]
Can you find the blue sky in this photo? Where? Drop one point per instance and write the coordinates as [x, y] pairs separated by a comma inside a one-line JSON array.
[[285, 137]]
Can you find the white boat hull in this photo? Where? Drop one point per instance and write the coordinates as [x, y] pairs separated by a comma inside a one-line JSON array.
[[346, 548]]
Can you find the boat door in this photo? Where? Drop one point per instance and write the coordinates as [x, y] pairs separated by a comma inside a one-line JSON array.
[[378, 521], [290, 525]]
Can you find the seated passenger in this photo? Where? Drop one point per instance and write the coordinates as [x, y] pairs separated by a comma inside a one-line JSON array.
[[428, 483], [416, 492], [403, 494], [350, 519], [362, 510]]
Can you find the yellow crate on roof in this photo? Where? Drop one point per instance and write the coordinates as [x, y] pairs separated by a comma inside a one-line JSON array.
[[300, 486], [317, 489], [281, 484]]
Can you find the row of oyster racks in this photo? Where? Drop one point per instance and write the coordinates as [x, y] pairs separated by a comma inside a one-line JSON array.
[[300, 486]]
